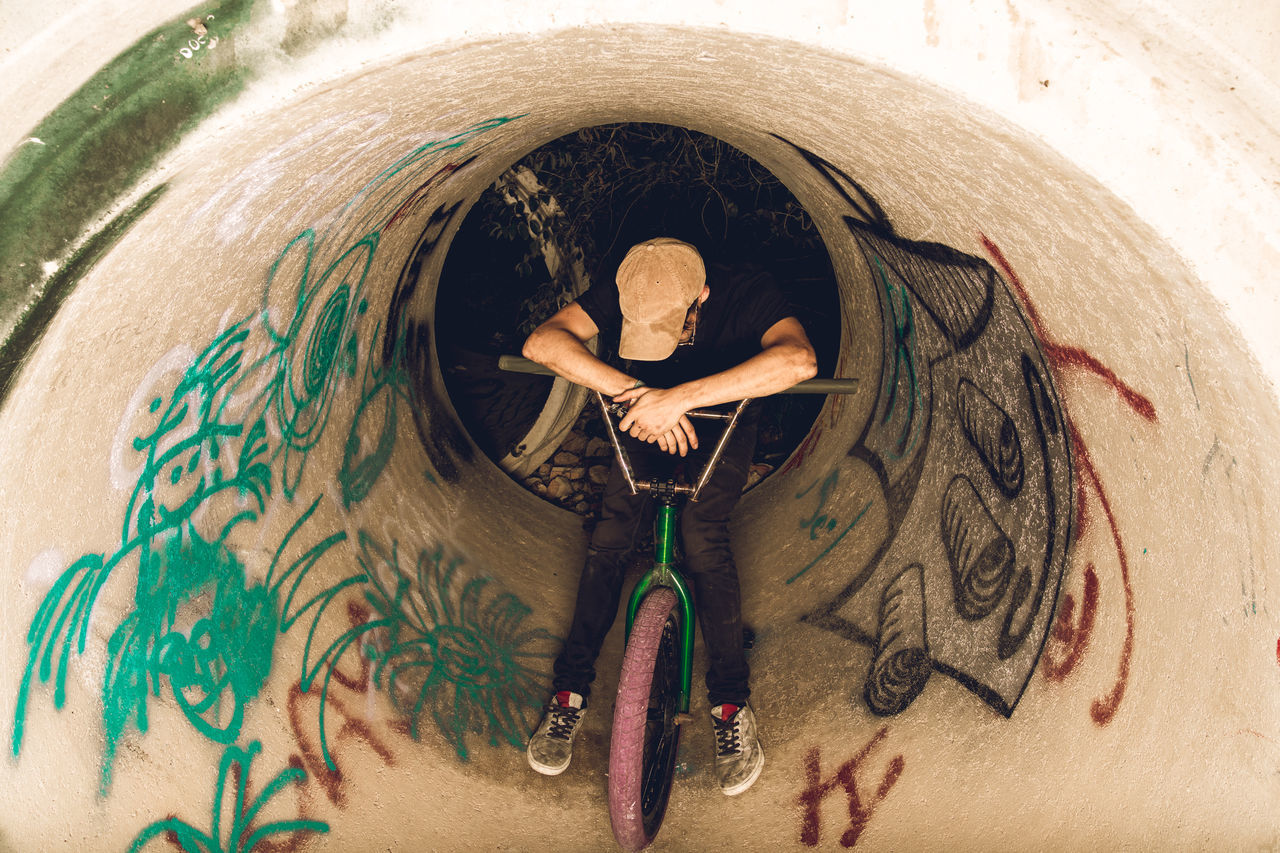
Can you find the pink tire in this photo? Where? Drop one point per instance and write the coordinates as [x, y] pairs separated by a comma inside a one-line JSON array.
[[646, 735]]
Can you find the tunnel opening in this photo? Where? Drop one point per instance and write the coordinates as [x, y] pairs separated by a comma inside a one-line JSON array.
[[958, 439], [560, 219]]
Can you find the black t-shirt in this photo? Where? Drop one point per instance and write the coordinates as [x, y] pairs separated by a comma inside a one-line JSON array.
[[745, 302]]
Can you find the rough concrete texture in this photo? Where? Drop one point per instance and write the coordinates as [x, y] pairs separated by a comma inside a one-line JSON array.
[[264, 594]]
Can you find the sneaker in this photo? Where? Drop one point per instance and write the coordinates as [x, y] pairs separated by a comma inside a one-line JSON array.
[[739, 758], [551, 746]]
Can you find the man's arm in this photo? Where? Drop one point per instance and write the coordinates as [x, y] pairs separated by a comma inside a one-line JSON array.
[[560, 343], [787, 357]]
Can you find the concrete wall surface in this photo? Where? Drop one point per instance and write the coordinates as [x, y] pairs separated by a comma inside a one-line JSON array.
[[263, 592]]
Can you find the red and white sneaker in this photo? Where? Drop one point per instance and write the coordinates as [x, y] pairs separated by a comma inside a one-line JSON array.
[[551, 747], [739, 758]]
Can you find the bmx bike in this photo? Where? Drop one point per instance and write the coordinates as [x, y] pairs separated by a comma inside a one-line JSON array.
[[654, 684]]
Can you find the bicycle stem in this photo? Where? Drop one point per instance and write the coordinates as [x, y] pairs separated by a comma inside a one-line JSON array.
[[628, 472]]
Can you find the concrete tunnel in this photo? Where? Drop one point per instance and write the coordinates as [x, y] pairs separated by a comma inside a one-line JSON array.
[[263, 592]]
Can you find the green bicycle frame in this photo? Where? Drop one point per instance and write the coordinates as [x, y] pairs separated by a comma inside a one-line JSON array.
[[665, 573]]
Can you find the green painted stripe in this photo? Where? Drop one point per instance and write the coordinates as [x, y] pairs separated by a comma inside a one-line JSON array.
[[31, 327], [99, 142]]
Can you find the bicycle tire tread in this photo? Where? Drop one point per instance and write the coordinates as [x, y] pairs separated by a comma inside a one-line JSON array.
[[626, 749]]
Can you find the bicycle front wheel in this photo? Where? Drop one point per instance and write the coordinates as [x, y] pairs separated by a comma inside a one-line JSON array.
[[646, 735]]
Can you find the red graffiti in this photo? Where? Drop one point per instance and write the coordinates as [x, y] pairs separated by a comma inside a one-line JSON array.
[[310, 757], [802, 452], [297, 840], [1259, 735], [419, 196], [1062, 358], [1105, 708], [1278, 651], [1069, 639], [352, 728], [847, 778], [358, 615]]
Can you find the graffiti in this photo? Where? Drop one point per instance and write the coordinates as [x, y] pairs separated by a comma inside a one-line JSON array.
[[330, 778], [900, 381], [419, 196], [802, 452], [448, 650], [1070, 638], [440, 435], [200, 38], [847, 776], [315, 346], [176, 565], [224, 447], [902, 662], [242, 836], [821, 523], [1072, 641], [382, 389], [971, 455], [455, 651]]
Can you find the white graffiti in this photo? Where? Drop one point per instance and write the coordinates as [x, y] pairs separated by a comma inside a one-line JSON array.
[[202, 38], [123, 476], [229, 207]]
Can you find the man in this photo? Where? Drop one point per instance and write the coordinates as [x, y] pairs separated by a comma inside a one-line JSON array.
[[686, 342]]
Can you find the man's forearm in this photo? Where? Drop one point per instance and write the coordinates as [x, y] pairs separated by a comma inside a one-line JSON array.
[[570, 358], [768, 372]]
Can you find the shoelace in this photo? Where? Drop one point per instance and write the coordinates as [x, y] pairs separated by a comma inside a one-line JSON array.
[[563, 720], [728, 736]]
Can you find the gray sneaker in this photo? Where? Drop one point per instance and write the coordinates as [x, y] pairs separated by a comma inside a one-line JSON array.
[[551, 746], [739, 758]]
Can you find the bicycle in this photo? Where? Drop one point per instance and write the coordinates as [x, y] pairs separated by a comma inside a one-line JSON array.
[[655, 681]]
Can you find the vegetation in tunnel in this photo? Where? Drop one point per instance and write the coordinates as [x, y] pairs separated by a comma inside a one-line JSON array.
[[563, 217]]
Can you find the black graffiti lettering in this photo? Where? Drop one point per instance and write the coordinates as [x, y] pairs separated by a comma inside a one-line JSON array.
[[929, 436], [407, 284], [993, 435]]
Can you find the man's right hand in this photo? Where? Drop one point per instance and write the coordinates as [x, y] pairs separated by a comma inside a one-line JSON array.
[[680, 438]]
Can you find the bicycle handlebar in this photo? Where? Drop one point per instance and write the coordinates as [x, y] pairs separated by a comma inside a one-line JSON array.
[[516, 364]]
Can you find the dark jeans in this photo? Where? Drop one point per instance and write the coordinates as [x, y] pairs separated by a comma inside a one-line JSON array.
[[708, 563]]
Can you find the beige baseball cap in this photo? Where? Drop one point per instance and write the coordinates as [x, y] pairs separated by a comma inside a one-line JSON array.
[[657, 282]]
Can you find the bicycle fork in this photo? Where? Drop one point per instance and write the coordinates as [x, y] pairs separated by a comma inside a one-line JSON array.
[[665, 573]]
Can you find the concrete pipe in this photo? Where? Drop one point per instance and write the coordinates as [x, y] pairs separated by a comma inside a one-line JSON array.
[[264, 592]]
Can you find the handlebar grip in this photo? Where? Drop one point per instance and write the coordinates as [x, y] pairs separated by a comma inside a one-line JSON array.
[[517, 364], [845, 385]]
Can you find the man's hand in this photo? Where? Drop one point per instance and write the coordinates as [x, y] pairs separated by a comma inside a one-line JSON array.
[[657, 415]]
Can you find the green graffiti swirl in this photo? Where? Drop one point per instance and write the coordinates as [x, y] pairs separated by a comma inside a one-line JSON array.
[[454, 651], [382, 391], [232, 437]]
